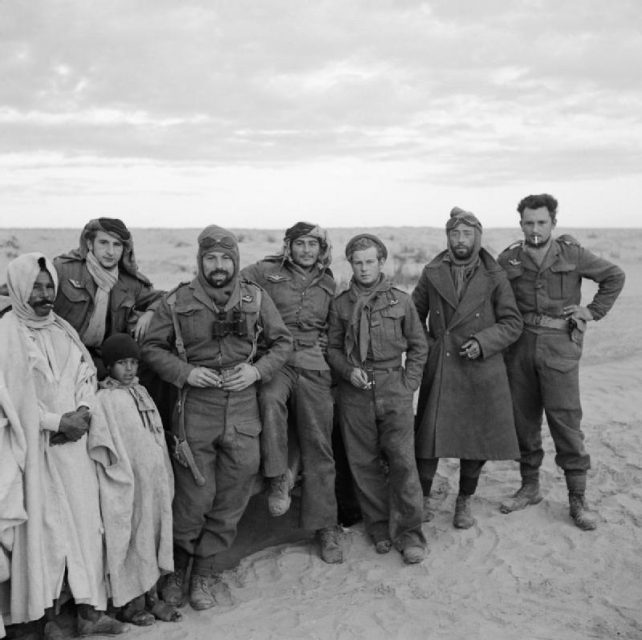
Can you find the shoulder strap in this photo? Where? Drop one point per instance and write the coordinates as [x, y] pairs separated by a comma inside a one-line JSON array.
[[178, 336]]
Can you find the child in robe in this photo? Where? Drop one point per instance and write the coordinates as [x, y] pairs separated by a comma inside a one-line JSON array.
[[136, 488]]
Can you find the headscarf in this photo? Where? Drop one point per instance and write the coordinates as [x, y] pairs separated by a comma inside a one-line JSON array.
[[21, 276], [117, 228], [301, 229], [215, 238], [463, 269], [366, 236]]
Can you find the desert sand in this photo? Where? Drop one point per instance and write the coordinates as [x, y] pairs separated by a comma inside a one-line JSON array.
[[528, 575]]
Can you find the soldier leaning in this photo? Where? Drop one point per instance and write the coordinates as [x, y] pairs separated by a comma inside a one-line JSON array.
[[372, 325], [300, 283], [203, 340], [543, 365]]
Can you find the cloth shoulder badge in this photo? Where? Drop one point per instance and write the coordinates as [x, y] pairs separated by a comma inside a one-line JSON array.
[[275, 277], [76, 283], [247, 298]]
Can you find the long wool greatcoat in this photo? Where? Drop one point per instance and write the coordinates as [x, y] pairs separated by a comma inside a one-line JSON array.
[[465, 408]]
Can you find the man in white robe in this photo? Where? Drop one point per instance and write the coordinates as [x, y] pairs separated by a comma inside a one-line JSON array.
[[50, 393]]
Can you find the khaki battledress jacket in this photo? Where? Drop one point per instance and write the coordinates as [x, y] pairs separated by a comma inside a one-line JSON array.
[[76, 294], [465, 408]]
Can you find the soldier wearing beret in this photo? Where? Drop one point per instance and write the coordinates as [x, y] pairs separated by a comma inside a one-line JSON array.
[[543, 365], [372, 325]]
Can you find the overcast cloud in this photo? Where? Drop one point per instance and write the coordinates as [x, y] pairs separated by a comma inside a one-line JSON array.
[[181, 113]]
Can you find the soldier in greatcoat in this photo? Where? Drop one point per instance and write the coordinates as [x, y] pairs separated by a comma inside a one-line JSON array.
[[464, 409]]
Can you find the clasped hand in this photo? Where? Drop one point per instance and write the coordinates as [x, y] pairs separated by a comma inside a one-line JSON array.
[[73, 426], [241, 377]]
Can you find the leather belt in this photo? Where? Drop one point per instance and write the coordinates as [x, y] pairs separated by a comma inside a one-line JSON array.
[[544, 321]]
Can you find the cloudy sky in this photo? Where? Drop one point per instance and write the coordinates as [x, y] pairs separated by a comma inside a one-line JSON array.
[[344, 112]]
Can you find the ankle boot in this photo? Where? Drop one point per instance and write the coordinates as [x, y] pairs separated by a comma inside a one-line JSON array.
[[463, 518], [583, 517], [173, 590], [529, 493], [279, 495]]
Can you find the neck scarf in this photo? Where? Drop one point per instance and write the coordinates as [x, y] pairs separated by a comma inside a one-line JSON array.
[[225, 297], [357, 340], [94, 333]]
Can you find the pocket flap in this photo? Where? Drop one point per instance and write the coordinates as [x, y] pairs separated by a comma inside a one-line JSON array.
[[74, 291], [250, 427]]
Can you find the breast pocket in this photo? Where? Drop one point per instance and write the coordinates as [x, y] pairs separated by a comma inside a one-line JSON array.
[[195, 325], [391, 323], [72, 303], [562, 281]]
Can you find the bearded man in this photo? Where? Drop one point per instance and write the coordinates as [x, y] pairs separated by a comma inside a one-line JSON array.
[[300, 283], [464, 409], [203, 340], [48, 399], [101, 291]]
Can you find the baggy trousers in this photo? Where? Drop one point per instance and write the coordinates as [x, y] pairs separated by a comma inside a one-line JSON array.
[[543, 372], [222, 429], [379, 422], [309, 396]]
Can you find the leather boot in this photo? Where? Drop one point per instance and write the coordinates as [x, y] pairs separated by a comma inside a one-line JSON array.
[[413, 554], [463, 518], [173, 589], [330, 545], [583, 517], [529, 493], [279, 495], [200, 596]]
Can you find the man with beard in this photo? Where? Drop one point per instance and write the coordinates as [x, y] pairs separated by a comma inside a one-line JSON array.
[[543, 365], [203, 340], [464, 409], [372, 325], [301, 285], [101, 290], [48, 399]]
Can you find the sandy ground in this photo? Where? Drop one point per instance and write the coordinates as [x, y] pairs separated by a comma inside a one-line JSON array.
[[529, 575]]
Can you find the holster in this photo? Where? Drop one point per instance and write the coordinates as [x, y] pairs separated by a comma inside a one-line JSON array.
[[181, 450]]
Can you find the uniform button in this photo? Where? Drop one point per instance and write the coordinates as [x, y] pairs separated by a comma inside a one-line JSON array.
[[476, 315], [447, 333], [448, 354], [437, 312]]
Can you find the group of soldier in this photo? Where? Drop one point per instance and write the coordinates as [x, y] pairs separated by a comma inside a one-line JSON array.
[[265, 361]]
